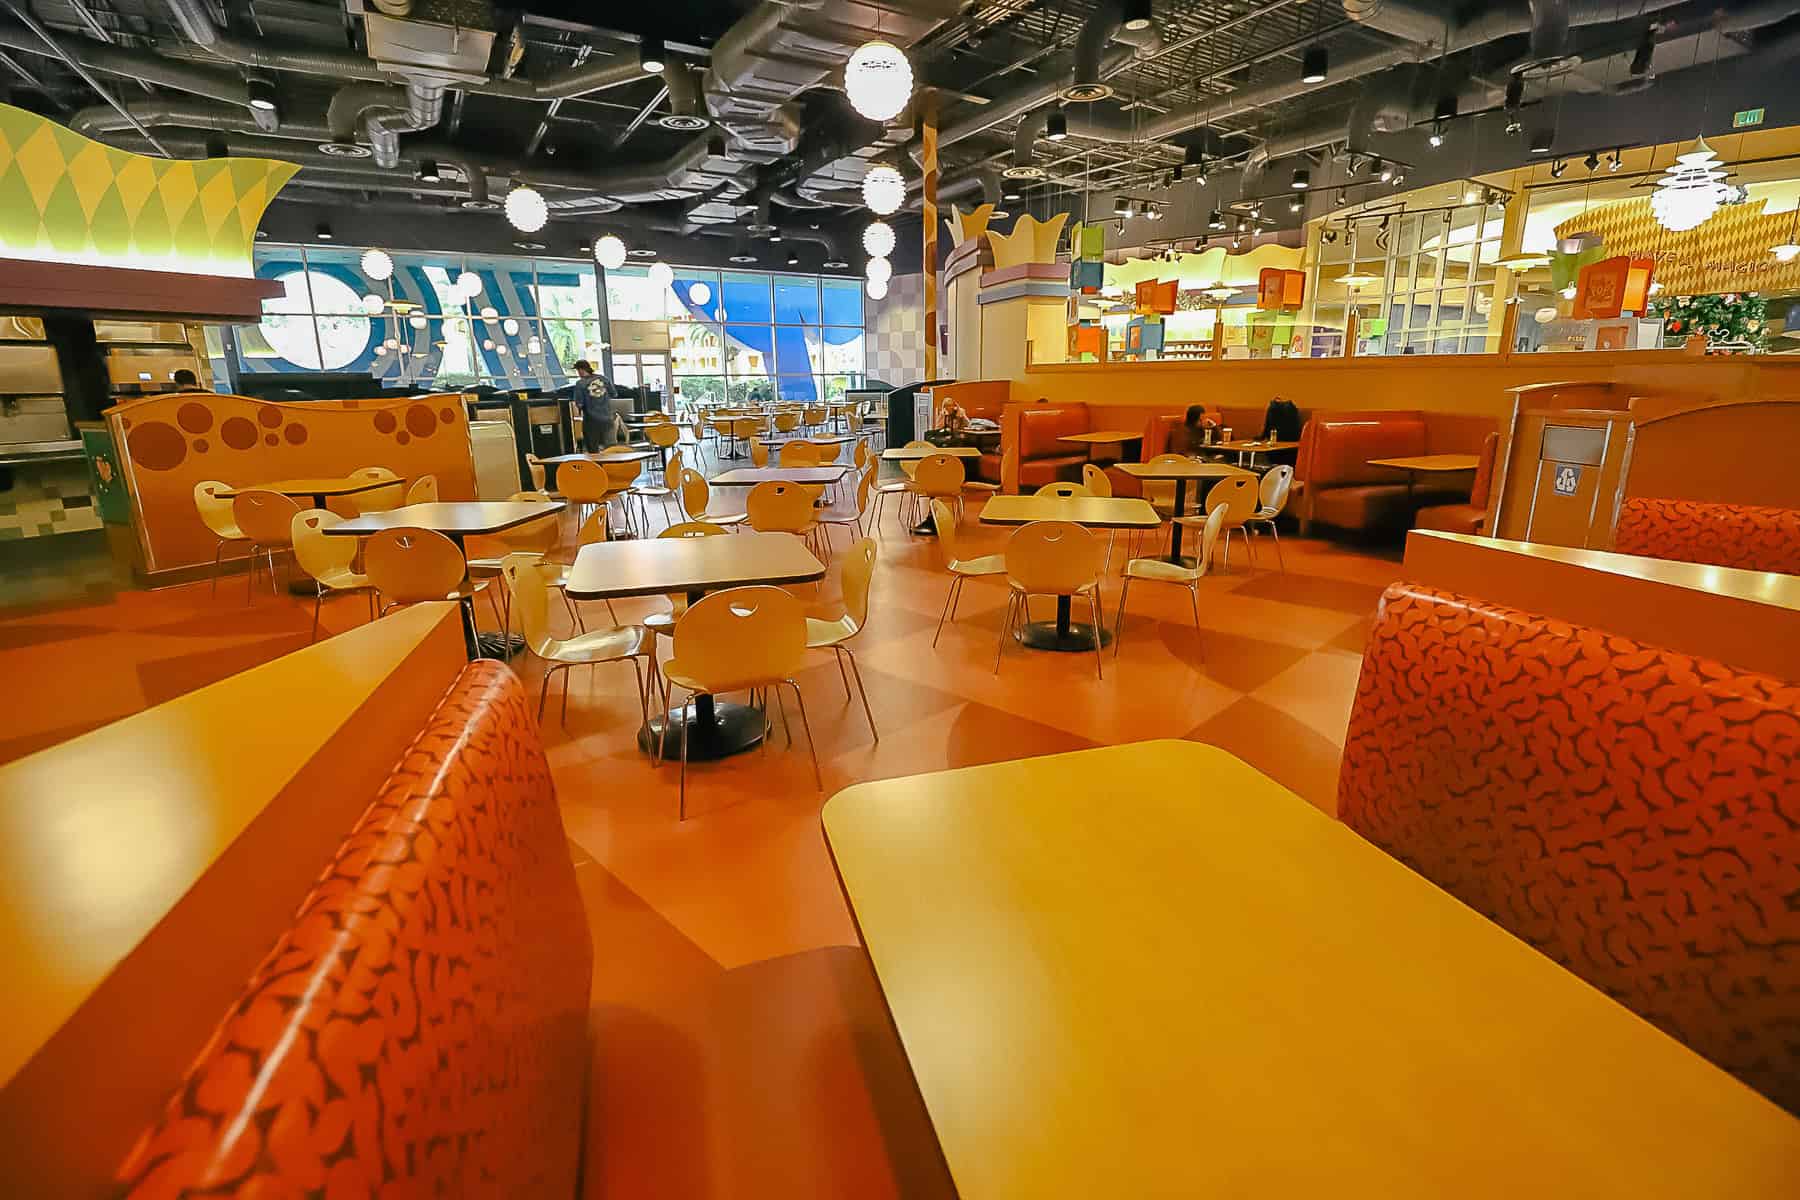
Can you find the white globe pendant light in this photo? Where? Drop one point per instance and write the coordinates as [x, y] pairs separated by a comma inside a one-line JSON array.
[[609, 251], [879, 270], [878, 239], [509, 327], [489, 313], [1690, 192], [876, 289], [661, 274], [884, 190], [376, 264], [699, 294], [416, 322], [373, 304], [526, 209], [469, 284], [878, 80]]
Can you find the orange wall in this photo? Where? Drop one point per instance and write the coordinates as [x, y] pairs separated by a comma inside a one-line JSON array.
[[170, 443], [1475, 384]]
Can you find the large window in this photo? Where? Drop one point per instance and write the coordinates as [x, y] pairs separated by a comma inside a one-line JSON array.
[[1433, 282], [737, 334]]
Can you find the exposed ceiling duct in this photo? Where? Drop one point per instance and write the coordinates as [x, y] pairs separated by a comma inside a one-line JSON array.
[[1550, 19], [381, 115], [214, 85]]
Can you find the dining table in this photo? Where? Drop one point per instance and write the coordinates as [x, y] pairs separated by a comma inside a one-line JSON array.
[[1150, 970], [616, 454], [1104, 445], [1091, 512], [1188, 470], [751, 476], [906, 454], [1415, 465], [458, 520], [319, 490], [1248, 448], [693, 567]]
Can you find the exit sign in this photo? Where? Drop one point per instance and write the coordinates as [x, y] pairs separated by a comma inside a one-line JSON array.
[[1745, 118]]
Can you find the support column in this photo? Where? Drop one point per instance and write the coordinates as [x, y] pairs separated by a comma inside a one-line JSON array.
[[929, 139]]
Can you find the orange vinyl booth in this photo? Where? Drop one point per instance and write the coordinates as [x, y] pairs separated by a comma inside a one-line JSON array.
[[1033, 433], [391, 874], [1629, 809], [1472, 516], [1243, 423], [1340, 488]]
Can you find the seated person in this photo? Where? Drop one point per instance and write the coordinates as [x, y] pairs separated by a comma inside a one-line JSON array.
[[1189, 437], [185, 380], [1281, 422]]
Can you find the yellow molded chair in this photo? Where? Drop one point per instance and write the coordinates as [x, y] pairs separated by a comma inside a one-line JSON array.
[[525, 580], [535, 465], [592, 530], [786, 422], [664, 622], [538, 538], [814, 416], [740, 639], [380, 499], [410, 566], [267, 522], [424, 490], [216, 515], [961, 569], [586, 485], [1236, 495], [695, 498], [1161, 570], [1051, 558], [911, 467], [327, 559], [835, 635], [665, 435], [799, 454], [777, 507], [1064, 490], [744, 428], [940, 477], [759, 452], [853, 517], [1161, 493], [862, 456], [1095, 480], [1271, 498]]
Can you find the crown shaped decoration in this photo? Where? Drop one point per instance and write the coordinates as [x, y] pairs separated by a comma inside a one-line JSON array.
[[964, 226], [1031, 241]]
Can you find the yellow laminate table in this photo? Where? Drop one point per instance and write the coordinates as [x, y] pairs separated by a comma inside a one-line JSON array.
[[1218, 990], [1189, 469], [1095, 512]]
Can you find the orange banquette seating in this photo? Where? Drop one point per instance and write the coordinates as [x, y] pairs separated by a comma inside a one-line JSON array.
[[1749, 536], [1036, 431], [1243, 423], [1471, 516], [421, 1027], [1630, 811], [1341, 489]]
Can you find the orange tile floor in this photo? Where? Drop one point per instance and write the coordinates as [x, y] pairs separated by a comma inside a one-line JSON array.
[[740, 1044]]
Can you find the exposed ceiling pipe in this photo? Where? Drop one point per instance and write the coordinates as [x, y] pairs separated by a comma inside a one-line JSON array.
[[686, 111], [214, 85], [382, 114], [1420, 25], [194, 18], [1096, 33], [1030, 129], [1049, 85], [101, 120], [30, 22]]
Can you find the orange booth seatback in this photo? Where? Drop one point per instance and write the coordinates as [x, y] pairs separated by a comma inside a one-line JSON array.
[[1632, 812], [1470, 517], [1749, 536], [1335, 448], [421, 1028], [1043, 456]]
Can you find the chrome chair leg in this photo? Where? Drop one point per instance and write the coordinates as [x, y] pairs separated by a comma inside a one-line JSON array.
[[863, 691], [1119, 623], [1094, 608], [956, 582], [806, 727]]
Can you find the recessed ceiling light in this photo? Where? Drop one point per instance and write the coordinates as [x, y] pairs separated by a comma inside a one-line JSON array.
[[1313, 65], [651, 56], [531, 245], [323, 232], [743, 258], [640, 252]]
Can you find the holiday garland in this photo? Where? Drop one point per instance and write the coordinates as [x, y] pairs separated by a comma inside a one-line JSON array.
[[1735, 319]]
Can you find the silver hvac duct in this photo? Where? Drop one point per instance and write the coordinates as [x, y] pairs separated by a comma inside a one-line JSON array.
[[101, 120], [227, 89], [383, 114], [1552, 19]]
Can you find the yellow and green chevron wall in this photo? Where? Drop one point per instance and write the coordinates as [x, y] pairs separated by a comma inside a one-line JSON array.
[[67, 198]]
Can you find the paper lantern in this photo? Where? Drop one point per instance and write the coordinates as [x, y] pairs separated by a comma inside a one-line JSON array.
[[487, 344], [661, 274], [884, 190], [534, 346], [416, 322], [699, 294], [878, 239], [879, 270], [1690, 191], [376, 264], [391, 343], [509, 327], [876, 288], [373, 304], [526, 209], [489, 313], [878, 80], [469, 284], [609, 251]]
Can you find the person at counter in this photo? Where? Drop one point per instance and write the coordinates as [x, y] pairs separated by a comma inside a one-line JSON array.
[[591, 391]]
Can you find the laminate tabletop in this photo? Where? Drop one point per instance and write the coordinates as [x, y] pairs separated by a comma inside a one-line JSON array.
[[600, 457], [1428, 462], [456, 518], [902, 454], [750, 476], [656, 566], [1186, 469], [313, 487], [1096, 512], [1218, 990], [1103, 437]]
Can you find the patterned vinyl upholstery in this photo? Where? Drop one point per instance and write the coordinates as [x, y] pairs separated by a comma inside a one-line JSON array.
[[421, 1028], [1720, 535], [1632, 812]]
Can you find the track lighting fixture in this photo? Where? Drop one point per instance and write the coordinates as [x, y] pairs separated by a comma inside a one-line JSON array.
[[1436, 136], [1615, 160], [793, 260], [1302, 179], [1399, 178], [1313, 65], [323, 232], [1384, 171], [1057, 127], [1558, 167], [1216, 221], [1515, 93], [651, 56], [1152, 211], [1591, 162], [1296, 204], [1122, 207]]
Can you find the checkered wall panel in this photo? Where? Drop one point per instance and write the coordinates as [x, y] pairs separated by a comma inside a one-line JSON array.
[[47, 498], [896, 332]]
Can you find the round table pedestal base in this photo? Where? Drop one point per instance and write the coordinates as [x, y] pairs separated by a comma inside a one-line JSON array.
[[500, 646], [1043, 635], [734, 729]]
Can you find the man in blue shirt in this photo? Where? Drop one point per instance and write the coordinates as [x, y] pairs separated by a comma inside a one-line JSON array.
[[591, 392]]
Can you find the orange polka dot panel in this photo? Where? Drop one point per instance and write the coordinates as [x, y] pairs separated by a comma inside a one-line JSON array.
[[1632, 812], [421, 1029]]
